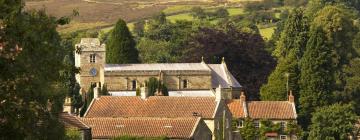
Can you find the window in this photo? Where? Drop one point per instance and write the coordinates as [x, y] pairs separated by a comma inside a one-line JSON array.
[[282, 126], [240, 123], [185, 84], [256, 124], [134, 84], [92, 58], [283, 137]]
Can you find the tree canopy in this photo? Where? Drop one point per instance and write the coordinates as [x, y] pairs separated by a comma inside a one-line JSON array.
[[120, 48]]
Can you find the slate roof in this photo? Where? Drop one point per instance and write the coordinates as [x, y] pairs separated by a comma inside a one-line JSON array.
[[153, 106], [157, 67], [221, 76], [71, 121], [263, 109], [146, 127], [219, 72]]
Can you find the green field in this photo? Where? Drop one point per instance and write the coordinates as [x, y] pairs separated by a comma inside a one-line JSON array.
[[266, 33], [185, 16]]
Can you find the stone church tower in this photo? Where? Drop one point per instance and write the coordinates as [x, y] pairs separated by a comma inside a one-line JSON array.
[[90, 58]]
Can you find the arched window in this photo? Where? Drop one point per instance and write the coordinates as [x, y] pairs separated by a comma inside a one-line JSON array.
[[134, 84], [185, 83]]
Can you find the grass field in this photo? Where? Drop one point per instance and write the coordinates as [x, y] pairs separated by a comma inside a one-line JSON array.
[[266, 33]]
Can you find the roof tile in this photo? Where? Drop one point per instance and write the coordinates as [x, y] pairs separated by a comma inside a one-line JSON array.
[[154, 106]]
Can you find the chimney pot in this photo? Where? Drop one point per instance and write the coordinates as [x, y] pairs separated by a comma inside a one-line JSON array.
[[291, 97], [242, 96]]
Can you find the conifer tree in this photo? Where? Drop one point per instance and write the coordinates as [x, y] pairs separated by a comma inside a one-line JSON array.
[[120, 48], [289, 50], [316, 80]]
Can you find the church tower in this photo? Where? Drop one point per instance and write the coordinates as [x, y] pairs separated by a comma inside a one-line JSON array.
[[90, 58]]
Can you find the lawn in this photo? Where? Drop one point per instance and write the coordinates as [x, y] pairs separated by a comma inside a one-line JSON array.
[[266, 33], [235, 11], [185, 16], [77, 26]]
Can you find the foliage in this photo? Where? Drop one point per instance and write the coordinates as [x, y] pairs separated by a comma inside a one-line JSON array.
[[139, 138], [315, 5], [139, 28], [32, 86], [89, 96], [138, 91], [268, 126], [316, 80], [198, 12], [76, 98], [154, 86], [72, 134], [104, 91], [251, 67], [333, 122], [292, 128], [248, 132], [289, 51], [152, 51], [120, 48]]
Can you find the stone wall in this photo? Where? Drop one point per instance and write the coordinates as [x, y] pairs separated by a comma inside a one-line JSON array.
[[202, 132], [119, 81]]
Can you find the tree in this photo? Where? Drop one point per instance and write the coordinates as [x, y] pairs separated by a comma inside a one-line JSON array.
[[316, 80], [88, 98], [76, 99], [250, 67], [155, 86], [198, 12], [221, 13], [32, 86], [289, 51], [248, 132], [315, 5], [336, 122], [152, 51], [139, 28], [104, 90], [120, 48]]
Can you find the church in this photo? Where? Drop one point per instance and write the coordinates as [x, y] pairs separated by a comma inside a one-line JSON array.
[[181, 79]]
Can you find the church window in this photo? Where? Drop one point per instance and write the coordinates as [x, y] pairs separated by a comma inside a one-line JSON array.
[[185, 84], [92, 58], [240, 123], [134, 84]]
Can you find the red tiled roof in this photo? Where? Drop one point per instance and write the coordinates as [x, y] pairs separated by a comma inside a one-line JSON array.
[[71, 121], [271, 110], [236, 108], [142, 127], [263, 109], [154, 106]]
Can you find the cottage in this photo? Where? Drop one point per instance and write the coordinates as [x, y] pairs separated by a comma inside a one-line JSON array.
[[278, 112], [73, 122]]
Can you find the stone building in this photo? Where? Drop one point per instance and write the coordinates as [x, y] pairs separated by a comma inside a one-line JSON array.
[[182, 79], [278, 112]]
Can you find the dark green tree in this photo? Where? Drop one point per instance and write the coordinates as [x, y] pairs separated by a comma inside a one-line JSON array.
[[316, 80], [154, 85], [89, 96], [139, 28], [104, 90], [198, 12], [120, 48], [76, 99], [221, 13], [336, 122], [289, 51]]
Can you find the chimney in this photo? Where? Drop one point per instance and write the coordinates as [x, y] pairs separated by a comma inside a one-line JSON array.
[[144, 92], [291, 97], [218, 93], [242, 97], [96, 91]]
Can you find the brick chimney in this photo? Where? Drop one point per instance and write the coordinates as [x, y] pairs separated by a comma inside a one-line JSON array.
[[291, 97], [242, 97]]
